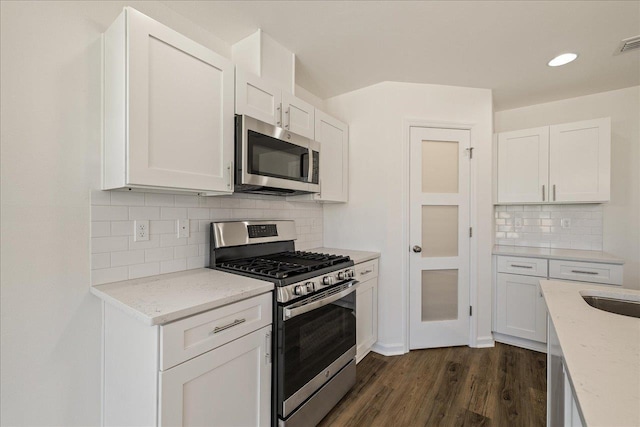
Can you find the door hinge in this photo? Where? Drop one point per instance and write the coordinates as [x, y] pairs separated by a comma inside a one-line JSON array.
[[470, 231], [470, 310], [470, 150]]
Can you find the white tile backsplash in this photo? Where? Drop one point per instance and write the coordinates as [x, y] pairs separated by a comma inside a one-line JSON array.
[[116, 256], [542, 226]]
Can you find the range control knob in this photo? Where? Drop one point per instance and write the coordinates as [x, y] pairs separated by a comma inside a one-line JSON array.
[[328, 280], [343, 275], [349, 273], [300, 290], [310, 287]]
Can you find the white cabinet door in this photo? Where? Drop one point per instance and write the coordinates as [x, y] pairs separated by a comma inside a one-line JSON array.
[[258, 98], [580, 161], [520, 307], [333, 136], [298, 116], [523, 166], [366, 317], [168, 111], [228, 386]]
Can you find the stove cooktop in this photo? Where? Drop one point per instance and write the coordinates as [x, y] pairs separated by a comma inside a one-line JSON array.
[[284, 265]]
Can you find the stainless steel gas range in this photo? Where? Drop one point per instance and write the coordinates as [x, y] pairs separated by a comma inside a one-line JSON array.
[[314, 314]]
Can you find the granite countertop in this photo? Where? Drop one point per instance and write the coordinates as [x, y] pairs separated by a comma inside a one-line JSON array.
[[356, 256], [601, 352], [563, 254], [157, 300]]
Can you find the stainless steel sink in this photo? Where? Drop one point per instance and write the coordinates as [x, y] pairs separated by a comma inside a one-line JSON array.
[[613, 305]]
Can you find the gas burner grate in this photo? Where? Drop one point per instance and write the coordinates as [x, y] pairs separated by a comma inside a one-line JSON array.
[[265, 267], [284, 264]]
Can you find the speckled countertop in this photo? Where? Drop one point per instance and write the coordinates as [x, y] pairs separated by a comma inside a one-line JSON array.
[[161, 299], [356, 256], [601, 352], [563, 254]]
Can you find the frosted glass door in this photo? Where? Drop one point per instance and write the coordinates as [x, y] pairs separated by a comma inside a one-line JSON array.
[[439, 236]]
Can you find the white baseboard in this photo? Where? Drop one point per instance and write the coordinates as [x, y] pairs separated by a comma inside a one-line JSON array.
[[388, 349], [520, 342], [485, 342]]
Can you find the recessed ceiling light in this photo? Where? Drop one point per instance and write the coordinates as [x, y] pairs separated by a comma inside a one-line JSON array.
[[563, 59]]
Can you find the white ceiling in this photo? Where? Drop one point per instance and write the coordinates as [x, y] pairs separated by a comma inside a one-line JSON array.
[[501, 45]]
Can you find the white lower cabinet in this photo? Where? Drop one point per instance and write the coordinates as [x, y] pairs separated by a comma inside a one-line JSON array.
[[520, 313], [521, 309], [366, 307], [228, 386], [571, 414], [209, 369]]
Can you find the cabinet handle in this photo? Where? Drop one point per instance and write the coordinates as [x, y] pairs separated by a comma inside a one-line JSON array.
[[218, 329], [267, 353], [288, 118], [554, 192], [595, 273], [279, 115], [521, 266], [362, 273], [543, 197], [229, 175]]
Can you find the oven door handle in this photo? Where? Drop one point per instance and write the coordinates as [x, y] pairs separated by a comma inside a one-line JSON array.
[[290, 313]]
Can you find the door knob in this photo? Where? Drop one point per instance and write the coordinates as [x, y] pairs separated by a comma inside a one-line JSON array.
[[417, 249]]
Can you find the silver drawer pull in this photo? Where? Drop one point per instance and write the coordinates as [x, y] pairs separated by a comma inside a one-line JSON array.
[[585, 272], [521, 266], [230, 325], [362, 273]]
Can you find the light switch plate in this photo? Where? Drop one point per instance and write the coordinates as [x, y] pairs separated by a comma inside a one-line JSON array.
[[183, 228]]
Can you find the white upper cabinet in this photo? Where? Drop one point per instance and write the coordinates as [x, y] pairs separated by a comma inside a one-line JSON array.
[[523, 165], [566, 163], [333, 136], [298, 116], [258, 98], [168, 110], [580, 161], [263, 100]]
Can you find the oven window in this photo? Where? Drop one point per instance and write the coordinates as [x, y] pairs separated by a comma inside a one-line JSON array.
[[310, 342], [272, 157]]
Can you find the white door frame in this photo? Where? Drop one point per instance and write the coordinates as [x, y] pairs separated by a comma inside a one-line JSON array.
[[473, 216]]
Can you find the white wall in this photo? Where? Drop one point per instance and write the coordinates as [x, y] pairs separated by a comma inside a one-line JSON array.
[[621, 216], [50, 136], [373, 219]]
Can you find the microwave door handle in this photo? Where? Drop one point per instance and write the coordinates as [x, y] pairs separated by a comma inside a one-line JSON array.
[[302, 163], [310, 171]]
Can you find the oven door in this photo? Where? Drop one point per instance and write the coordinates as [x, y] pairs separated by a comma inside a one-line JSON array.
[[275, 158], [316, 338]]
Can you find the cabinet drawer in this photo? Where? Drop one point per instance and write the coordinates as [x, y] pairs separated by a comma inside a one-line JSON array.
[[366, 270], [609, 274], [187, 338], [525, 266]]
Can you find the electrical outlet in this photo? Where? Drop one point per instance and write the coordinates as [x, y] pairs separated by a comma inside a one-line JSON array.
[[141, 230], [183, 228], [565, 222], [518, 222]]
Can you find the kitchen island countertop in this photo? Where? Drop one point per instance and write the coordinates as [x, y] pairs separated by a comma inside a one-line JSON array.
[[160, 299], [601, 351]]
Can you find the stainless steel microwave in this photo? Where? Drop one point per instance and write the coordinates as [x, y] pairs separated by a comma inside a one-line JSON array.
[[272, 160]]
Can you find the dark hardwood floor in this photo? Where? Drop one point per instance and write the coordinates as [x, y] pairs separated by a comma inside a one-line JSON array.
[[455, 386]]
